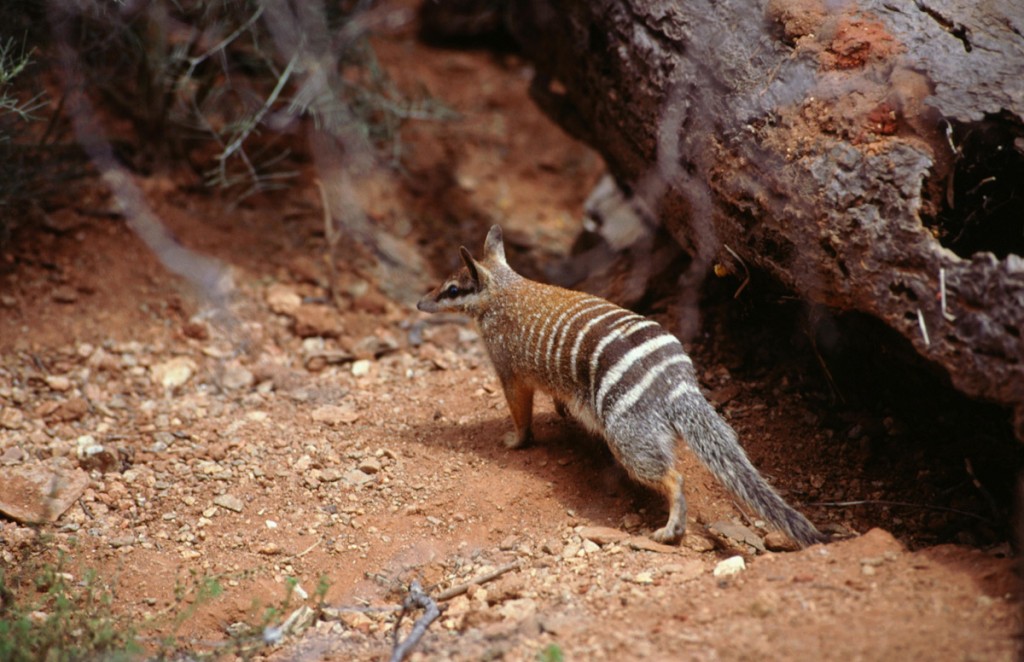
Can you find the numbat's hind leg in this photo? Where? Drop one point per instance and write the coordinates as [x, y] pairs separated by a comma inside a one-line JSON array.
[[672, 487]]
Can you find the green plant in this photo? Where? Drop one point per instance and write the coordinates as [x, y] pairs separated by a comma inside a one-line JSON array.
[[17, 117], [62, 621], [221, 84], [551, 653], [246, 638], [188, 598], [36, 160], [46, 615], [13, 61]]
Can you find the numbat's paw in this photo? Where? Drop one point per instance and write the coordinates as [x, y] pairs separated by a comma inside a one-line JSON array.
[[517, 440], [668, 535]]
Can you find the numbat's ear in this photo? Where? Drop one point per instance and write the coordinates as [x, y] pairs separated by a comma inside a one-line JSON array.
[[474, 269], [494, 247], [480, 274]]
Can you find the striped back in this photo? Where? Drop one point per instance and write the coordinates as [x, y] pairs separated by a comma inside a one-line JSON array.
[[619, 373], [585, 350]]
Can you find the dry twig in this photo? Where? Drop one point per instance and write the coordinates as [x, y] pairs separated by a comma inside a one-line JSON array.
[[450, 593], [923, 327], [950, 317], [746, 272], [332, 233], [416, 599]]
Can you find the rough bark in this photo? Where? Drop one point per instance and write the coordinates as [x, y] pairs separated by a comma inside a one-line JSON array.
[[870, 156]]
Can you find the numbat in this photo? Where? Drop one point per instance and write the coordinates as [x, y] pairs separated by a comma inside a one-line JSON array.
[[621, 375]]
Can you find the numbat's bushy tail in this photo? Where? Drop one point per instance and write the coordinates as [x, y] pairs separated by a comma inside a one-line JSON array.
[[620, 374]]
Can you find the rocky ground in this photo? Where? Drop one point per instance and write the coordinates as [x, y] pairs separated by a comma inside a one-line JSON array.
[[280, 437]]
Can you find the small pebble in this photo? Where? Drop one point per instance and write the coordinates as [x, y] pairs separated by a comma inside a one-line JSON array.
[[237, 377], [64, 294], [335, 414], [730, 566], [282, 299], [58, 382], [644, 577], [370, 466], [229, 502], [173, 373], [602, 535]]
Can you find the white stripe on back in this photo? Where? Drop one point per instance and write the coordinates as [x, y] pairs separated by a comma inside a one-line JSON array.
[[531, 331], [561, 325], [615, 373], [540, 358], [582, 334], [684, 388], [635, 323], [634, 394]]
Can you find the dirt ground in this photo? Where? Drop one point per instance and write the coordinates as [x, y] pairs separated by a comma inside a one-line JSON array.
[[282, 437]]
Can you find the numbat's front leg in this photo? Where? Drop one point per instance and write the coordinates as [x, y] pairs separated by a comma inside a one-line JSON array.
[[520, 404]]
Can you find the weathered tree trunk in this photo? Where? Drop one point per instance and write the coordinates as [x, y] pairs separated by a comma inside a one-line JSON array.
[[868, 155]]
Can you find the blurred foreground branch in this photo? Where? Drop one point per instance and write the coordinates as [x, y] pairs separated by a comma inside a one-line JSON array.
[[207, 275]]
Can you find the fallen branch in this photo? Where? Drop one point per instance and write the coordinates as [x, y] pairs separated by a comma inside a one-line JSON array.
[[450, 593], [308, 549], [416, 599], [332, 233], [209, 276]]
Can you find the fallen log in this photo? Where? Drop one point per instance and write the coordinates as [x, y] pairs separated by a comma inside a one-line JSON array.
[[869, 155]]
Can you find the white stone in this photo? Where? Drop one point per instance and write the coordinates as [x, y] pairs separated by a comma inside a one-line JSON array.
[[174, 372], [730, 566]]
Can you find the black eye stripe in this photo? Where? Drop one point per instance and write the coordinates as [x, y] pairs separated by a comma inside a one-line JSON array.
[[450, 292]]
